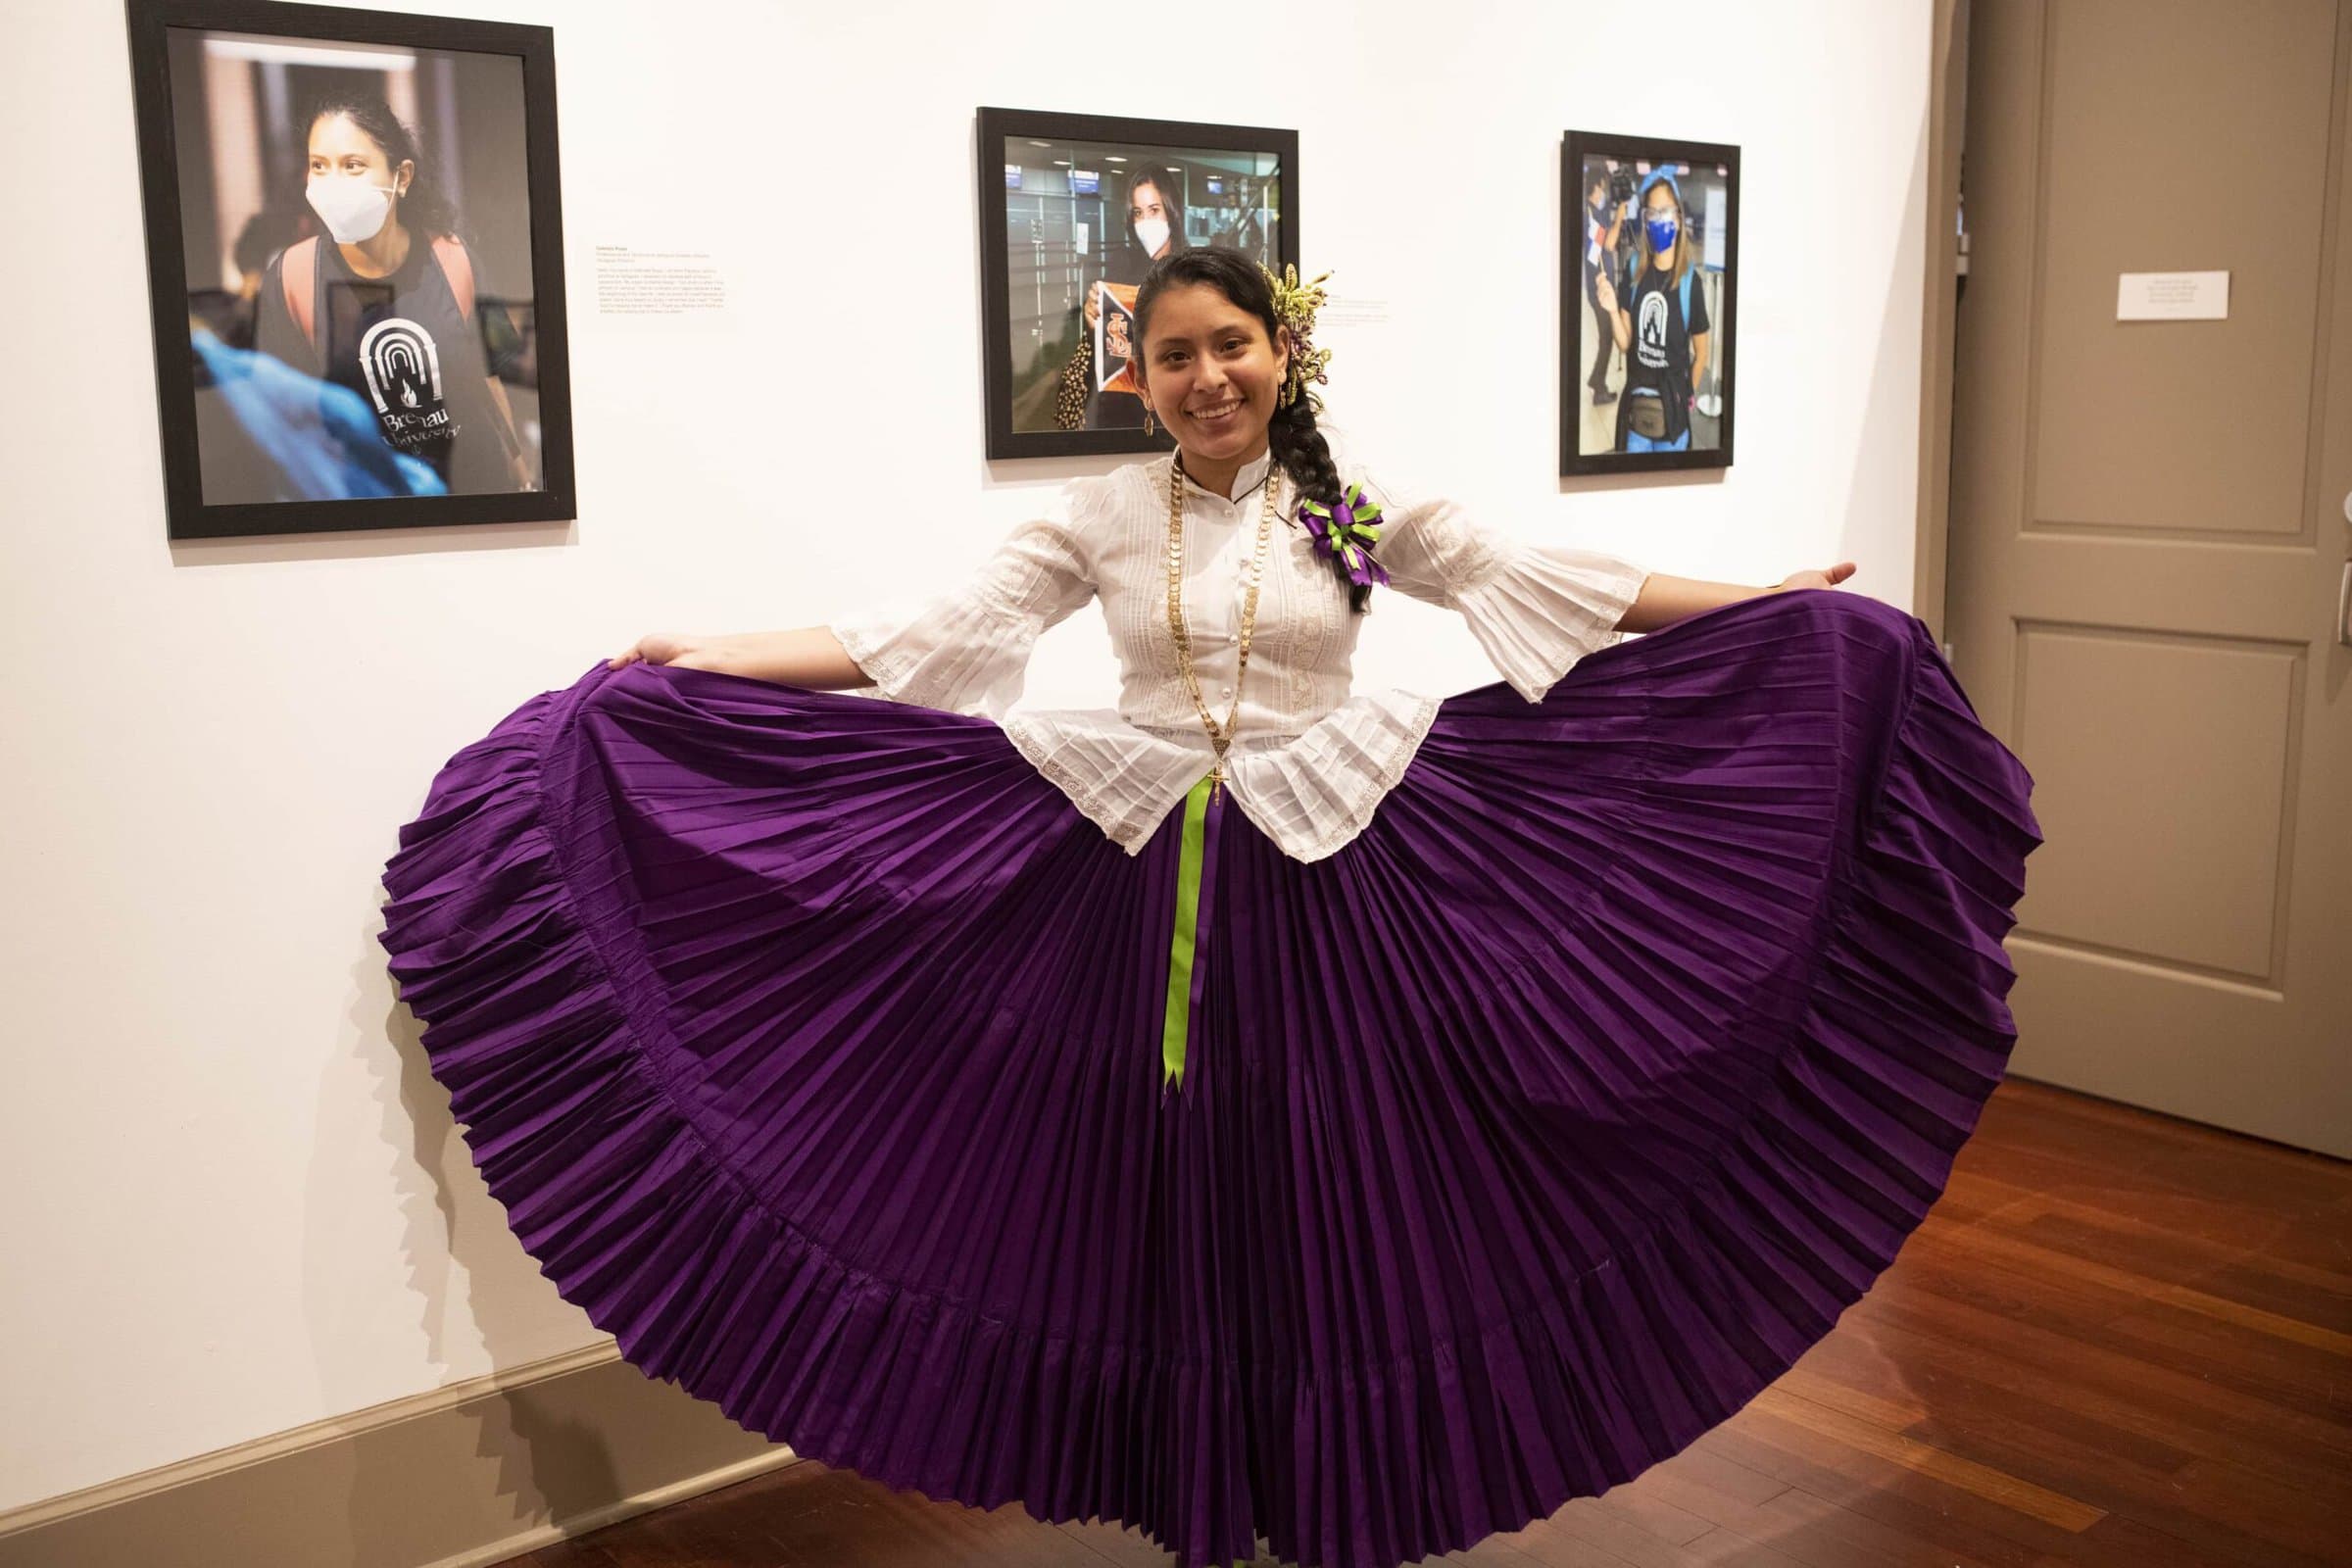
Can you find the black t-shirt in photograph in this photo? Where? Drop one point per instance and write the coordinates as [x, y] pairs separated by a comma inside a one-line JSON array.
[[400, 342], [1658, 361]]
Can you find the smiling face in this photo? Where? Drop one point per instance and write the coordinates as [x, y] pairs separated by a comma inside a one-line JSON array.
[[1212, 375]]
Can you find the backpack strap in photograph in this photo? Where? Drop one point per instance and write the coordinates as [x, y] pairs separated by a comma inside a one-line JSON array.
[[458, 268], [298, 280]]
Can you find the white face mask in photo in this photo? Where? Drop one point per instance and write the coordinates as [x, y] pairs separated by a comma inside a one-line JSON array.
[[1154, 232], [353, 210]]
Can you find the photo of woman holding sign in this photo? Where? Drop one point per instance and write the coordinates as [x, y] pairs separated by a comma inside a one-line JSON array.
[[1075, 211], [1155, 218]]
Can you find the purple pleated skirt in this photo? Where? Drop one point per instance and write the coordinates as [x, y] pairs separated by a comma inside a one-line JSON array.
[[813, 1044]]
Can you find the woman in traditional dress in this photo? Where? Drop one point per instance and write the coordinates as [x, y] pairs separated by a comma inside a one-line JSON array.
[[1355, 1123]]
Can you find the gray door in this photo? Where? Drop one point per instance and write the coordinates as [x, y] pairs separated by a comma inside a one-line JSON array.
[[2149, 533]]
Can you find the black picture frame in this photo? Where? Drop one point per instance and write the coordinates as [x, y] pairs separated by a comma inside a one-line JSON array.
[[535, 358], [999, 127], [1714, 165]]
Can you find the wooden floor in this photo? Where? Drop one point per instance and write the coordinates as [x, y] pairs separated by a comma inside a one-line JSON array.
[[2117, 1339]]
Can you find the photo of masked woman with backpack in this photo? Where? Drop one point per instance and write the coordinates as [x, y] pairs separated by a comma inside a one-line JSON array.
[[389, 305], [1657, 313]]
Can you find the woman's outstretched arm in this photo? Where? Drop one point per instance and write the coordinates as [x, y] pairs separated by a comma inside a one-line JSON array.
[[1665, 600], [808, 657], [964, 651]]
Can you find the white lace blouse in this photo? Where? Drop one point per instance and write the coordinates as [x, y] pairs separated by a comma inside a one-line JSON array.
[[1310, 760]]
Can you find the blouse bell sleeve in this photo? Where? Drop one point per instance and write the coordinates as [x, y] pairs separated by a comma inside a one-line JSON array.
[[1536, 607], [966, 651]]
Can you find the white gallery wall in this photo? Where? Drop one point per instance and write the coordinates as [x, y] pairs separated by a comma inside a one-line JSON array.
[[231, 1198]]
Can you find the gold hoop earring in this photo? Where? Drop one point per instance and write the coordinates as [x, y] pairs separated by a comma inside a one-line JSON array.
[[1148, 427]]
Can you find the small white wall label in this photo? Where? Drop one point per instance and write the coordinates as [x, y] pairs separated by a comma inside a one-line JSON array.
[[658, 285], [2171, 297]]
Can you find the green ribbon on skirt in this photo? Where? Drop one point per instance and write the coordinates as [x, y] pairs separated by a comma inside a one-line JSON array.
[[1176, 1021]]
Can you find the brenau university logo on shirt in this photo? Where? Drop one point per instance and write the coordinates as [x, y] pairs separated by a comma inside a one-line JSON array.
[[1654, 329], [403, 367]]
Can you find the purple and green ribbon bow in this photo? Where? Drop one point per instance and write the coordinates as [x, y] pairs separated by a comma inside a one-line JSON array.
[[1348, 532]]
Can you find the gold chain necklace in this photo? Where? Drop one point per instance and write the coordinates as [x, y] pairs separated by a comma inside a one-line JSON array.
[[1220, 736]]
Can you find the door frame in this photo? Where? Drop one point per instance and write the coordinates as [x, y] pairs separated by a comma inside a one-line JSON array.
[[1947, 121]]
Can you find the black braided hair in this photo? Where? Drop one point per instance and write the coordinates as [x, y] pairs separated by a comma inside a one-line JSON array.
[[1292, 439]]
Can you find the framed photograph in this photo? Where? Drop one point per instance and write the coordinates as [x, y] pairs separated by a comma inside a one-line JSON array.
[[1649, 270], [355, 262], [1074, 208]]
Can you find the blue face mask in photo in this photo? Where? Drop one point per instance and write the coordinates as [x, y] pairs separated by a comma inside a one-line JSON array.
[[1661, 235]]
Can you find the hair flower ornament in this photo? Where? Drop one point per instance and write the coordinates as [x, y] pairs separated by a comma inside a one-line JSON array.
[[1347, 533], [1294, 305]]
